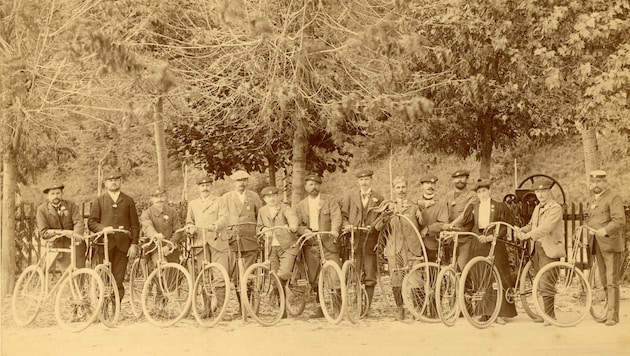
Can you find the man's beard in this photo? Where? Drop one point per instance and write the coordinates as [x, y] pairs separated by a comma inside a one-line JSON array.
[[56, 201], [597, 190], [460, 185], [313, 192]]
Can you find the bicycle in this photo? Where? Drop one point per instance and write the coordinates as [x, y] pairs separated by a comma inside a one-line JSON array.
[[138, 274], [80, 291], [298, 289], [562, 293], [331, 284], [209, 294], [356, 295], [110, 311], [266, 303], [166, 295]]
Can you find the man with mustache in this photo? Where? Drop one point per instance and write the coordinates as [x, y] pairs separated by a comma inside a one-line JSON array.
[[318, 212], [161, 220], [607, 217], [434, 215], [457, 200], [56, 215]]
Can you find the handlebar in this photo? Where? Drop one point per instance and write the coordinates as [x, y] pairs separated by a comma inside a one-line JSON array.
[[262, 234], [233, 226], [454, 235], [96, 235], [154, 241], [307, 236], [62, 233]]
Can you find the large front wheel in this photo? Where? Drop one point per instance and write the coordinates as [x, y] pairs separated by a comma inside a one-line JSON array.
[[480, 292], [332, 292], [28, 295], [167, 294], [526, 291], [562, 294], [446, 296], [265, 302], [354, 291], [210, 295], [79, 300], [110, 310], [418, 291]]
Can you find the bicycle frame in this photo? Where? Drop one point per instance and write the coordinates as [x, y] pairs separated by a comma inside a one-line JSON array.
[[318, 236], [240, 262], [48, 292]]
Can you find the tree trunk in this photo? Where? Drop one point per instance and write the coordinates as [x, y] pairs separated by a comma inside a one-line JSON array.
[[592, 157], [160, 145], [485, 149], [271, 167], [9, 188], [299, 163]]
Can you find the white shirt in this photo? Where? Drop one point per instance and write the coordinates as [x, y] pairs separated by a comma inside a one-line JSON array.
[[114, 196], [273, 211], [365, 197], [313, 213], [484, 214], [241, 196]]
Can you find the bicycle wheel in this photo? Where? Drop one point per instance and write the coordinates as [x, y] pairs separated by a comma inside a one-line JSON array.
[[79, 300], [265, 302], [365, 301], [525, 291], [599, 305], [562, 294], [418, 291], [137, 278], [446, 296], [110, 310], [166, 295], [354, 291], [296, 294], [210, 295], [28, 295], [480, 292], [332, 292]]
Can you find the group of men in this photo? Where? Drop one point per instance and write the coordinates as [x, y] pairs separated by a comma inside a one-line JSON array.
[[217, 220]]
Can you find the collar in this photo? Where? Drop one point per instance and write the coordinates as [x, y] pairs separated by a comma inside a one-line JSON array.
[[315, 198], [114, 196], [597, 196], [368, 192], [428, 197]]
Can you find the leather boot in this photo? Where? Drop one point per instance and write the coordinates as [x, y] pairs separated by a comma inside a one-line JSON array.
[[370, 295], [400, 309], [612, 303]]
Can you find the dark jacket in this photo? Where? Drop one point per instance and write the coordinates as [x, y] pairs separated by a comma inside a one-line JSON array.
[[120, 214]]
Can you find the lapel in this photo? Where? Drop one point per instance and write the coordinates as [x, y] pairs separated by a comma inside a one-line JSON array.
[[476, 209], [322, 201], [52, 211], [492, 210], [237, 202], [356, 200], [303, 206]]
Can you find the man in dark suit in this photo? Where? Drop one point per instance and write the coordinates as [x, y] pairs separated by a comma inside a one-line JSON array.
[[162, 221], [58, 214], [607, 217], [318, 212], [434, 215], [115, 209], [355, 212]]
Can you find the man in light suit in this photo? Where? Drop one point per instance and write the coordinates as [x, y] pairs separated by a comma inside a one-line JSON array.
[[607, 217], [115, 209], [59, 214], [355, 212], [546, 229], [318, 212]]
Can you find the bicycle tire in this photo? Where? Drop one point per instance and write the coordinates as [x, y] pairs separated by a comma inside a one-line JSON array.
[[137, 277], [332, 292], [418, 291], [297, 291], [571, 294], [365, 301], [446, 296], [354, 291], [79, 299], [599, 305], [480, 279], [110, 309], [28, 295], [526, 294], [211, 294], [266, 300], [167, 294]]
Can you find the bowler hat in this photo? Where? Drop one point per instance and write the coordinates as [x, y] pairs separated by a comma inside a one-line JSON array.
[[269, 191], [460, 173], [364, 173], [205, 180], [482, 183], [313, 177], [597, 174], [238, 175], [53, 186], [428, 178]]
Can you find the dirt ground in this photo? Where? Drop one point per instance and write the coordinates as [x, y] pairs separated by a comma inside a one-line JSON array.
[[378, 335]]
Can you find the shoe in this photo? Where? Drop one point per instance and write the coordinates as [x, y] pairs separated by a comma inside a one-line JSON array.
[[500, 321], [537, 319], [610, 322], [318, 314]]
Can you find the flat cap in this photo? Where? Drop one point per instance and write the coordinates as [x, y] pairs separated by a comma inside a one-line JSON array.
[[398, 180], [113, 175], [364, 173], [53, 186], [158, 191], [482, 183], [205, 180], [314, 178], [269, 191], [460, 173], [430, 178], [240, 174], [543, 184], [597, 174]]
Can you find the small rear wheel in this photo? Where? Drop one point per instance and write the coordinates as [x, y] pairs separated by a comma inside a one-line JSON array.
[[354, 296], [332, 292], [110, 310], [210, 295], [446, 296], [79, 300], [28, 295], [480, 292], [167, 294], [265, 302]]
